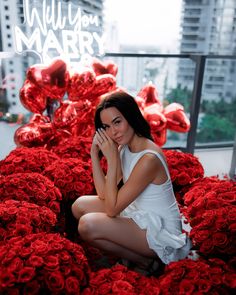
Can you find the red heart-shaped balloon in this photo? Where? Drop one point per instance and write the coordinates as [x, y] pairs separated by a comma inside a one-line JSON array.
[[106, 67], [141, 102], [104, 83], [38, 118], [160, 137], [52, 79], [33, 134], [150, 95], [176, 118], [65, 115], [81, 84], [155, 118], [32, 98]]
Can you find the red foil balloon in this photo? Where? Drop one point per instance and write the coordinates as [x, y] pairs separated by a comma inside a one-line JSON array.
[[52, 79], [33, 135], [150, 95], [155, 118], [141, 102], [65, 115], [106, 67], [81, 84], [176, 118], [38, 118], [104, 83], [58, 136], [160, 137], [32, 98]]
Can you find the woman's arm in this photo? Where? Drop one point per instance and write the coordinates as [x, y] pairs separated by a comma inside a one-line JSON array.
[[98, 174], [142, 175]]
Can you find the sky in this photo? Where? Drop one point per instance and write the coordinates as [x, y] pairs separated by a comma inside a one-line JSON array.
[[146, 22]]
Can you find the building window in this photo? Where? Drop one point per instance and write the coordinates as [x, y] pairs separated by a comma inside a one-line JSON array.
[[7, 17], [6, 7], [7, 26]]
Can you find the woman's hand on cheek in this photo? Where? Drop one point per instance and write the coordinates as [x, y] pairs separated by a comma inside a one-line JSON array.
[[95, 147], [108, 147]]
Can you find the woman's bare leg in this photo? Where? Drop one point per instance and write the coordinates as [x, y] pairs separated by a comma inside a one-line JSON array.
[[87, 204], [119, 235]]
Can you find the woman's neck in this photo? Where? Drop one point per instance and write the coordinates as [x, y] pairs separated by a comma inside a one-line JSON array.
[[137, 143]]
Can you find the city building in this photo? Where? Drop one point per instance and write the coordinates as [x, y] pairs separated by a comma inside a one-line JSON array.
[[13, 68], [209, 27]]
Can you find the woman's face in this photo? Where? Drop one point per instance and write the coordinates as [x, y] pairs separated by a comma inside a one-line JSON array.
[[116, 126]]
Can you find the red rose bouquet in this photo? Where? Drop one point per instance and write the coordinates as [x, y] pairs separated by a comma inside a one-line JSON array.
[[119, 280], [184, 167], [72, 176], [210, 189], [197, 277], [214, 231], [27, 160], [75, 147], [42, 264], [19, 218], [32, 188]]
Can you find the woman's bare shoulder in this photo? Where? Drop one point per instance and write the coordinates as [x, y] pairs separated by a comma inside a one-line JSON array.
[[150, 145]]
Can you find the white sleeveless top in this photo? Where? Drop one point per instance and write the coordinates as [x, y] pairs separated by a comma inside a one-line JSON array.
[[156, 210]]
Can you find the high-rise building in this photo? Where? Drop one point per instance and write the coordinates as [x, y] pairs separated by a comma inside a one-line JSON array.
[[209, 27], [12, 70]]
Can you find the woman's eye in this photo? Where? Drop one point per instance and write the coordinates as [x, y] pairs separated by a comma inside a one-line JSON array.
[[117, 122]]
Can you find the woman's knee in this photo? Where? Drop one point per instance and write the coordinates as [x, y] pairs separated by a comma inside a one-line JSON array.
[[77, 208], [88, 226]]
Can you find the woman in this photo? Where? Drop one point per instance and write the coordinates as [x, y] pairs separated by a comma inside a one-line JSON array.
[[140, 221]]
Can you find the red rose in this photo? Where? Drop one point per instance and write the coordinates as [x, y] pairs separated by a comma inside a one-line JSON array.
[[132, 277], [206, 247], [26, 274], [117, 275], [7, 279], [51, 262], [220, 239], [216, 274], [183, 178], [22, 230], [35, 261], [104, 288], [203, 285], [186, 286], [201, 235], [54, 281], [100, 277], [122, 288], [230, 280], [65, 257], [40, 247], [15, 265], [72, 285]]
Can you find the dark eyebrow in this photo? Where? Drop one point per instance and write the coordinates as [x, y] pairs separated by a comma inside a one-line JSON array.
[[118, 117]]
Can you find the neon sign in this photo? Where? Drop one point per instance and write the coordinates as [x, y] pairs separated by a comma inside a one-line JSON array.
[[58, 29]]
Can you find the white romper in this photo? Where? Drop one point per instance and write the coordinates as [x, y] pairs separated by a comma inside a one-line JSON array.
[[156, 210]]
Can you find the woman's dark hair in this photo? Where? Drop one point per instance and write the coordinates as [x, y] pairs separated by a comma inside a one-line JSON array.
[[128, 107]]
